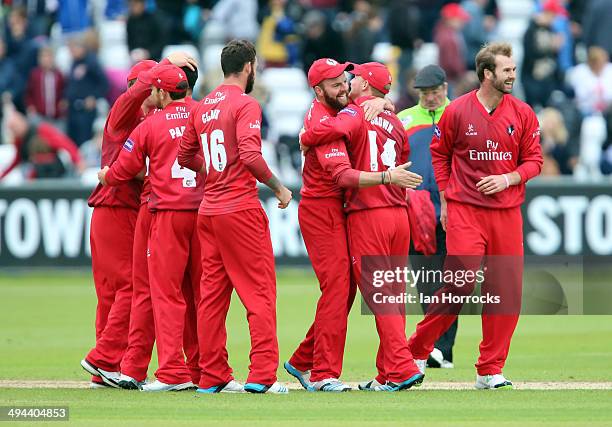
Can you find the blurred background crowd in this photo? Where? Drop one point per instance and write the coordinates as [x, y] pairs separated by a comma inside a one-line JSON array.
[[64, 62]]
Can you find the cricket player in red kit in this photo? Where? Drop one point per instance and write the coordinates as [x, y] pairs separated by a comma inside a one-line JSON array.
[[317, 362], [174, 249], [141, 337], [112, 231], [486, 147], [232, 225], [377, 217]]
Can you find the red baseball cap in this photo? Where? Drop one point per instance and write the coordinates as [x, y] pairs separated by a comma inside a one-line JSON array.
[[374, 73], [454, 10], [555, 6], [326, 68], [140, 66], [168, 77]]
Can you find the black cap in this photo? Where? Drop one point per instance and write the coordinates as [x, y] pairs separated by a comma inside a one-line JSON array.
[[429, 76]]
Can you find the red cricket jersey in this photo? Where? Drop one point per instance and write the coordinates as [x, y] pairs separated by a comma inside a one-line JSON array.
[[226, 126], [172, 186], [146, 185], [316, 182], [373, 146], [470, 144], [125, 114]]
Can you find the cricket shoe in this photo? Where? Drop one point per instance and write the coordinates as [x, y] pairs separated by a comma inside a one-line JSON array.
[[157, 385], [369, 385], [436, 360], [302, 376], [421, 364], [492, 382], [229, 387], [110, 378], [332, 385], [97, 382], [276, 388], [128, 383], [415, 380]]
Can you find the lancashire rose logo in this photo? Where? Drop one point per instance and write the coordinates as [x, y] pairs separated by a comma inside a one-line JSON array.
[[331, 62]]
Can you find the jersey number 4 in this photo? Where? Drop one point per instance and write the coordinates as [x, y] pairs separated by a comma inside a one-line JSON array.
[[388, 155], [215, 155]]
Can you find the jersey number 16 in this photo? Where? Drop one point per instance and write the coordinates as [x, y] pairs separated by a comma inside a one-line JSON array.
[[215, 155]]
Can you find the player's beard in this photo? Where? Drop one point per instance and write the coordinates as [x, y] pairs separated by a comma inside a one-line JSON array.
[[250, 82], [500, 84], [334, 102]]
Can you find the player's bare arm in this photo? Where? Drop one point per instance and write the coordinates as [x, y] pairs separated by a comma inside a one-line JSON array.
[[282, 193], [443, 211]]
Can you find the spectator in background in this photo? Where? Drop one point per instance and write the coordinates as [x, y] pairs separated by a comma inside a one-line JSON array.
[[238, 17], [45, 87], [39, 15], [73, 16], [361, 30], [38, 149], [320, 40], [449, 38], [144, 39], [277, 42], [478, 29], [85, 84], [170, 16], [540, 72], [8, 76], [554, 138], [91, 151], [403, 24], [592, 82], [597, 24]]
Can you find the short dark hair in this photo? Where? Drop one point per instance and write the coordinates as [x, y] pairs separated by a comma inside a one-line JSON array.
[[235, 55], [179, 95], [192, 75], [485, 58]]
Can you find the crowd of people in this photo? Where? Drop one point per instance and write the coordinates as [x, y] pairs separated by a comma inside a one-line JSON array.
[[566, 74]]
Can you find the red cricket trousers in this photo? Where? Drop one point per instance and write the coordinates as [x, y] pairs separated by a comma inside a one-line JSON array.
[[141, 335], [382, 233], [474, 232], [237, 254], [111, 239], [323, 226], [174, 276]]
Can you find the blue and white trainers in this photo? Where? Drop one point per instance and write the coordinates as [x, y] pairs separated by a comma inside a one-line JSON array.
[[302, 376], [230, 387], [332, 385], [276, 388], [492, 382], [157, 385], [404, 385]]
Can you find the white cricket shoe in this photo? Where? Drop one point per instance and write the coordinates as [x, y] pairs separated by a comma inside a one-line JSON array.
[[128, 383], [230, 387], [160, 386], [276, 388], [110, 378], [333, 385], [492, 382], [369, 385], [421, 364], [436, 360]]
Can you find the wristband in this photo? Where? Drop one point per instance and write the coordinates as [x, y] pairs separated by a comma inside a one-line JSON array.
[[382, 178], [507, 181]]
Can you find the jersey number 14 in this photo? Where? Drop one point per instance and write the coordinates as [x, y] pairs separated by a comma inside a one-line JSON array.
[[388, 155]]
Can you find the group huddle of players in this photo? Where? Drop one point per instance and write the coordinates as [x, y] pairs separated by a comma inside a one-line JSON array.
[[178, 226]]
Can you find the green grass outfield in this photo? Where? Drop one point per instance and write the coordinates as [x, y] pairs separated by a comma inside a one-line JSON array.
[[46, 327]]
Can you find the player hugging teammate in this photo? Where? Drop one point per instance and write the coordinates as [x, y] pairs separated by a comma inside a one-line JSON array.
[[202, 233]]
